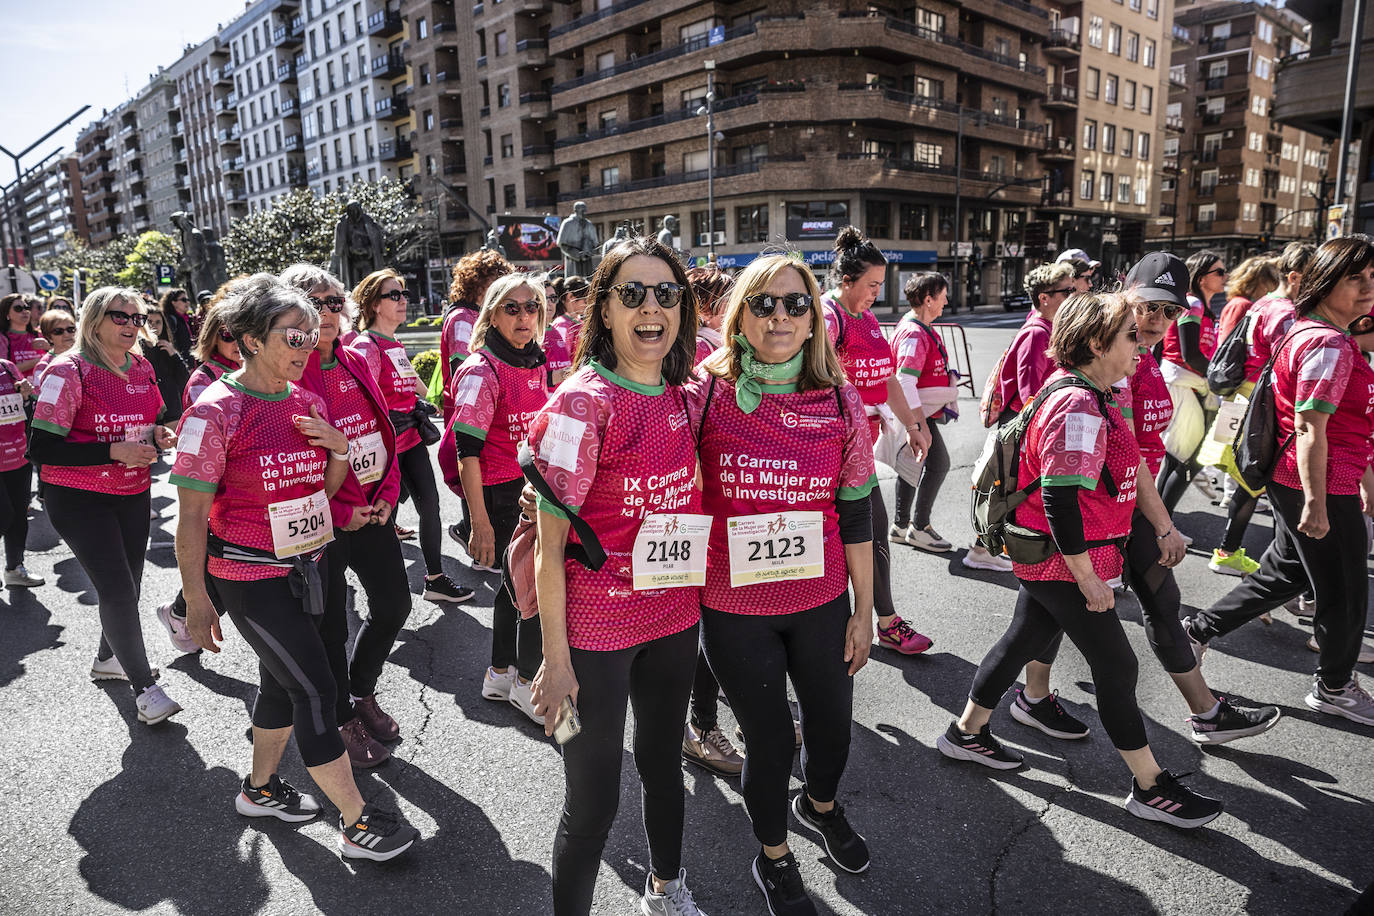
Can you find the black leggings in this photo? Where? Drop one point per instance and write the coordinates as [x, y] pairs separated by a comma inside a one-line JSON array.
[[417, 482], [882, 558], [1334, 567], [754, 654], [705, 694], [933, 475], [109, 535], [1238, 516], [1042, 610], [16, 488], [374, 554], [295, 682], [655, 678], [513, 641]]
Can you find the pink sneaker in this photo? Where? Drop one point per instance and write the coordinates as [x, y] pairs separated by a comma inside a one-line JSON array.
[[903, 638], [176, 630]]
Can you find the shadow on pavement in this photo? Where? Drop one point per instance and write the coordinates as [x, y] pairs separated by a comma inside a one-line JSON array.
[[27, 630]]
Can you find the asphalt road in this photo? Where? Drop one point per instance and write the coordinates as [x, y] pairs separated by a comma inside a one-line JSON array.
[[105, 815]]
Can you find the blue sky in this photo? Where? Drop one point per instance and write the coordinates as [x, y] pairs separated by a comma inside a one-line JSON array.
[[58, 55]]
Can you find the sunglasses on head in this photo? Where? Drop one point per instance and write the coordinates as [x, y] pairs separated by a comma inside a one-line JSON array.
[[396, 295], [1171, 311], [633, 293], [137, 319], [333, 303], [513, 307], [763, 305], [297, 339]]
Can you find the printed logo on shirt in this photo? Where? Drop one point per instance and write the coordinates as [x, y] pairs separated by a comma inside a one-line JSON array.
[[132, 388], [1080, 432], [876, 332], [534, 383], [192, 432], [1318, 363], [561, 440], [677, 421], [792, 420]]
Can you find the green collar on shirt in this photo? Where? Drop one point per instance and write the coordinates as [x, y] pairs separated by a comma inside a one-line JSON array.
[[1109, 390], [379, 334], [232, 381], [1326, 321], [625, 383], [332, 364], [225, 366]]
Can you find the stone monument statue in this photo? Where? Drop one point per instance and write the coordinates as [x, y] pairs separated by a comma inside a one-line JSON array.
[[493, 242], [216, 267], [665, 235], [193, 254], [622, 233], [578, 242], [357, 246]]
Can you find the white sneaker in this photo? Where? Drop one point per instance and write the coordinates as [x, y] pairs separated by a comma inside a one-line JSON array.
[[522, 698], [1366, 652], [927, 539], [896, 534], [675, 900], [979, 557], [1187, 541], [19, 578], [1351, 701], [111, 670], [1207, 486], [154, 706], [497, 686]]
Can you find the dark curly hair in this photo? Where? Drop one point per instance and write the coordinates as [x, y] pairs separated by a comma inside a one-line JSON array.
[[473, 274], [711, 285]]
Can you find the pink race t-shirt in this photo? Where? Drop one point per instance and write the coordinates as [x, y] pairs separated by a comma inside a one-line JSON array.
[[863, 350], [556, 355], [614, 452], [22, 349], [1151, 410], [1068, 443], [918, 351], [454, 333], [366, 426], [798, 451], [1320, 368], [390, 366], [83, 402], [205, 375], [495, 402], [1207, 335], [1027, 363], [13, 420], [1271, 317], [244, 447], [708, 341]]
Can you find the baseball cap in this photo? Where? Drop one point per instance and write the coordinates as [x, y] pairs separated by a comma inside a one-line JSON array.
[[1159, 277], [1078, 253]]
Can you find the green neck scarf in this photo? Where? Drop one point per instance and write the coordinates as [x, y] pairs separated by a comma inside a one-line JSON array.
[[753, 373]]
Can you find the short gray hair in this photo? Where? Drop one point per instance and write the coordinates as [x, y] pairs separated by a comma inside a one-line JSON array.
[[306, 277], [255, 304]]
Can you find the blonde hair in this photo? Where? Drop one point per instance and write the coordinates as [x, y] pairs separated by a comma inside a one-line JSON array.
[[1254, 278], [1086, 319], [206, 346], [820, 366], [369, 291], [499, 289], [93, 311]]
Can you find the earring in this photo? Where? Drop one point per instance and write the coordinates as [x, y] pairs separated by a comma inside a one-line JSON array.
[[808, 334]]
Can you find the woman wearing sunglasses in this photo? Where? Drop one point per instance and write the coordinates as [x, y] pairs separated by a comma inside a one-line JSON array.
[[217, 352], [58, 328], [864, 353], [258, 461], [168, 366], [496, 392], [1084, 453], [364, 538], [381, 299], [557, 356], [614, 446], [471, 276], [712, 286], [23, 347], [175, 306], [1188, 347], [96, 433], [784, 549]]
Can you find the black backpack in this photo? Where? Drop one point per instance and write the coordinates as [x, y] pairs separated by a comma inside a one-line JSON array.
[[1226, 370], [1256, 447]]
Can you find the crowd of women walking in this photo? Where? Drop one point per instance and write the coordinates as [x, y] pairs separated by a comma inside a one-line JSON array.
[[673, 473]]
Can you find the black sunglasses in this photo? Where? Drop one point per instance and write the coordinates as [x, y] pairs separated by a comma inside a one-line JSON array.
[[513, 307], [763, 305], [19, 307], [396, 295], [334, 303], [69, 330], [1060, 292], [1171, 311], [225, 336], [633, 293], [137, 319]]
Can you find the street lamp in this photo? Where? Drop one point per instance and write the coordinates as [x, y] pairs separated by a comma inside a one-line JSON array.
[[709, 110], [15, 157]]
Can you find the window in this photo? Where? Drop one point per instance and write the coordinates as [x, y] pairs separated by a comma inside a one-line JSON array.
[[1171, 146], [605, 61], [1256, 141], [1133, 46], [1089, 134], [878, 219], [1142, 143], [1095, 31], [1147, 99], [607, 119], [422, 27], [503, 95], [1152, 8], [1128, 95], [1266, 31], [1148, 59], [1114, 40], [1259, 105], [1206, 214], [1221, 31], [1127, 142], [1262, 67], [610, 177], [501, 43], [934, 22], [751, 223], [929, 88], [1123, 189], [1142, 192], [1107, 178], [1109, 139], [429, 120], [928, 153], [1207, 181], [1093, 83], [913, 222], [1085, 184], [1109, 92], [1216, 106], [695, 161], [507, 146], [508, 196], [1252, 177]]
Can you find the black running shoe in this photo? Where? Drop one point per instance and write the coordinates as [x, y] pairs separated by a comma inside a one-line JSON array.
[[1231, 723], [845, 847], [782, 887], [442, 588], [1048, 716], [277, 799], [1171, 802], [377, 835], [980, 748]]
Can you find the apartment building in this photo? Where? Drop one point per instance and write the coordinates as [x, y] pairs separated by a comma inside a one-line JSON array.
[[1236, 179], [1107, 63], [52, 205], [205, 140], [94, 154], [162, 178]]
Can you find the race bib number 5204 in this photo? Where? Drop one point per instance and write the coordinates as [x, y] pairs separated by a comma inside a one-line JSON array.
[[300, 525]]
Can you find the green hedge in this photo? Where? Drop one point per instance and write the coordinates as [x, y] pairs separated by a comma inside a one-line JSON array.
[[424, 364]]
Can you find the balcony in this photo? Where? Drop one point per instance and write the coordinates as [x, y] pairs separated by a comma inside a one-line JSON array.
[[1203, 225], [535, 105], [389, 66], [450, 123], [1059, 43], [540, 203], [456, 168], [393, 150], [677, 178], [487, 160], [478, 9], [484, 111], [227, 137], [233, 165], [384, 24], [537, 156], [448, 82], [284, 36], [302, 60], [236, 195], [1174, 123], [1058, 148], [392, 108], [286, 72], [292, 142], [1166, 208], [312, 173], [290, 108], [481, 61], [1061, 97], [532, 52], [295, 176], [597, 16], [223, 76]]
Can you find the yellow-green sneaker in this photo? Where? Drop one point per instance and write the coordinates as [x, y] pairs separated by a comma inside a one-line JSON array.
[[1236, 564]]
